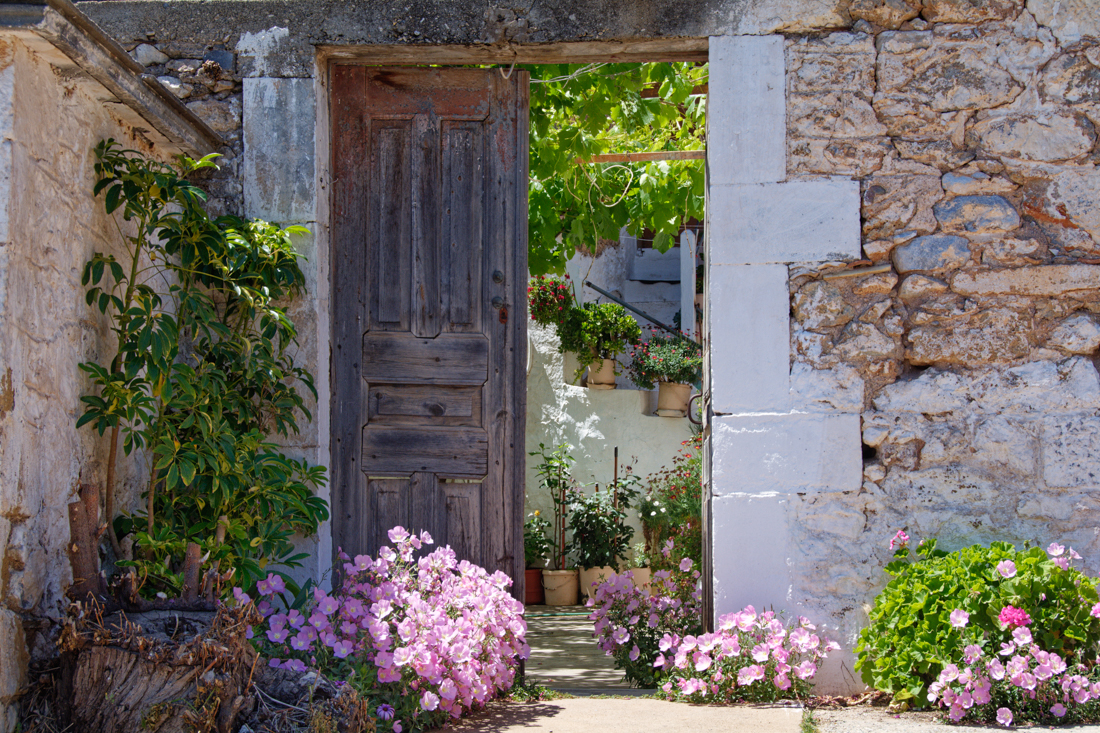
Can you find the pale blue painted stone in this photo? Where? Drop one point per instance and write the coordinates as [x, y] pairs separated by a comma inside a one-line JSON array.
[[977, 214], [935, 252]]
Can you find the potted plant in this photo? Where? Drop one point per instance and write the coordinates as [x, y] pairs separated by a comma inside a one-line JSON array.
[[597, 333], [671, 363], [601, 535], [672, 509], [550, 300], [559, 583], [536, 551], [640, 571]]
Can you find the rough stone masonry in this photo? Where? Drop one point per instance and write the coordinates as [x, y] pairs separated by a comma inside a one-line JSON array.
[[950, 389]]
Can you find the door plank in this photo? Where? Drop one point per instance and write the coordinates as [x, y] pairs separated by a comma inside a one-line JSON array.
[[453, 451], [453, 93], [415, 404], [462, 223], [389, 507], [462, 518], [450, 359], [425, 228], [391, 229]]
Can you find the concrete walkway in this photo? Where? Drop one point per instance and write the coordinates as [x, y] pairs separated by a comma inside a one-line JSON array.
[[564, 654], [641, 715]]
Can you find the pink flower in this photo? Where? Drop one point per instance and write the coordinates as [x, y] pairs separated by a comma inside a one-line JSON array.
[[685, 564], [1004, 716], [1058, 710], [1006, 568], [805, 670], [959, 618], [1021, 636], [1011, 616], [1054, 549], [1095, 612], [750, 674], [342, 648], [429, 701], [900, 540]]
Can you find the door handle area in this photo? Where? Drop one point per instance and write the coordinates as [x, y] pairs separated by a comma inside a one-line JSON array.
[[498, 302]]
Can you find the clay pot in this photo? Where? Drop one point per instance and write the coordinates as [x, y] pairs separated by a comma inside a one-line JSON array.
[[592, 577], [672, 399], [642, 578], [601, 375], [560, 587], [532, 581]]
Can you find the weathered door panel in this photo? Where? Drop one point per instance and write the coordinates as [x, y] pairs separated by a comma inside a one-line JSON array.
[[429, 303]]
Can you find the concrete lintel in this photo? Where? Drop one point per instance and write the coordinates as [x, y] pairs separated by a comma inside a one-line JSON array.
[[86, 46], [760, 455], [750, 337], [746, 110], [796, 221]]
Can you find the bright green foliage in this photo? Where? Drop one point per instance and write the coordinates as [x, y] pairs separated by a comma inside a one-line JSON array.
[[910, 637], [555, 479], [536, 545], [582, 111], [597, 331], [203, 373], [665, 358], [601, 536], [672, 510]]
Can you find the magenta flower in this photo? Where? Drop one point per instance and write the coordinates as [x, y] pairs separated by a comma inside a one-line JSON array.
[[959, 618], [384, 712], [1011, 616], [1006, 568], [900, 540], [1095, 612]]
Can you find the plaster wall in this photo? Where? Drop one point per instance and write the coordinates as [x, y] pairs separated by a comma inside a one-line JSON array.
[[49, 227]]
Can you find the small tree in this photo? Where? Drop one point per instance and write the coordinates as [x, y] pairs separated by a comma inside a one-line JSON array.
[[201, 375]]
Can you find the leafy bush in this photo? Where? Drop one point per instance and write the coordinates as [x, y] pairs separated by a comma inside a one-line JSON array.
[[536, 545], [665, 359], [1030, 686], [554, 477], [672, 510], [596, 331], [630, 623], [601, 536], [911, 639], [424, 640], [203, 372]]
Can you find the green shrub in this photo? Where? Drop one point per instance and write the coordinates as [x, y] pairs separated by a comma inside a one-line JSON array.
[[910, 637], [672, 510]]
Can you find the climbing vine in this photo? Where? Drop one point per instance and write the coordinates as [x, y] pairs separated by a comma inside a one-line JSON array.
[[581, 111]]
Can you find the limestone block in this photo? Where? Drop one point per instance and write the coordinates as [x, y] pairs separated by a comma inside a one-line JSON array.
[[931, 253], [221, 115], [961, 79], [1036, 280], [977, 215], [833, 72], [903, 41], [993, 335], [1037, 388], [838, 389], [147, 55], [941, 154], [272, 53], [1046, 137], [1072, 78], [1077, 334], [13, 666], [861, 341], [819, 305], [886, 13], [797, 221], [892, 204], [792, 16], [916, 287], [750, 347], [279, 148], [767, 454], [1069, 19], [856, 157], [174, 85], [1069, 450], [1006, 447], [832, 114], [934, 392], [1075, 196], [746, 116], [879, 284], [975, 182], [750, 550], [1013, 252], [970, 11]]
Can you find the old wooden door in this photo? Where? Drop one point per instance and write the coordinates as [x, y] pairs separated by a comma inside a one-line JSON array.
[[428, 305]]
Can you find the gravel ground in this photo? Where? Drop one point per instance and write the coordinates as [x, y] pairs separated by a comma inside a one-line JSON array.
[[866, 719]]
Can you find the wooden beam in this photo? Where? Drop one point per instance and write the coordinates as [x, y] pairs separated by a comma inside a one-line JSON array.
[[645, 157]]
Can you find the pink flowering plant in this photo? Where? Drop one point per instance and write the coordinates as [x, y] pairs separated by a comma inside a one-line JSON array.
[[1016, 681], [752, 657], [939, 604], [424, 639], [631, 623]]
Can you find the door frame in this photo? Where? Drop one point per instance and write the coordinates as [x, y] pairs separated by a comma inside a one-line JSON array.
[[612, 51]]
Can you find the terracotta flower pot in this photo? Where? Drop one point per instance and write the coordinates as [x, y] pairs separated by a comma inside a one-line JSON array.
[[642, 578], [601, 375], [672, 399], [592, 577], [560, 587], [532, 580]]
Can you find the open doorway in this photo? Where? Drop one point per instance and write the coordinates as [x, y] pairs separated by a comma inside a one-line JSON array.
[[382, 407]]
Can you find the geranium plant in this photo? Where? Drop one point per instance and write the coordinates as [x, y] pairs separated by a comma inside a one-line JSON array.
[[550, 300], [914, 629], [536, 545], [665, 358], [426, 640]]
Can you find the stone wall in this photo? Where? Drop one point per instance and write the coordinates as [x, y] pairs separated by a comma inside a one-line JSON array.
[[970, 353], [49, 227]]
